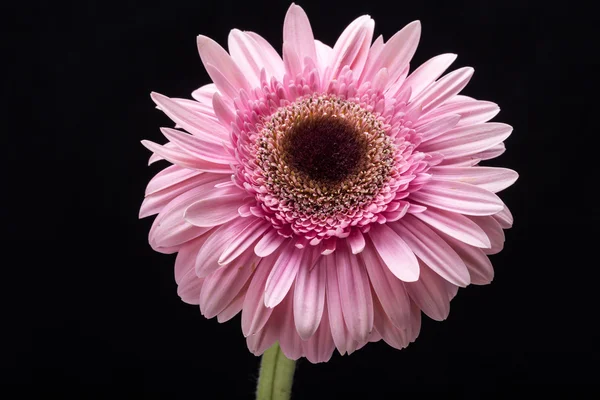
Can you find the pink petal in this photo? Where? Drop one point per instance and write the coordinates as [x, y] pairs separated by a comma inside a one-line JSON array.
[[392, 335], [197, 124], [213, 54], [247, 55], [471, 112], [283, 275], [352, 48], [289, 341], [320, 346], [170, 228], [268, 243], [355, 295], [427, 73], [189, 288], [324, 54], [458, 197], [480, 268], [309, 299], [273, 61], [440, 91], [244, 240], [169, 177], [437, 127], [356, 240], [254, 313], [490, 178], [291, 60], [374, 52], [493, 230], [185, 160], [504, 218], [222, 110], [186, 257], [388, 288], [397, 52], [262, 340], [233, 308], [298, 33], [455, 225], [492, 152], [468, 140], [215, 245], [339, 332], [205, 93], [395, 253], [223, 285], [215, 210], [433, 250], [155, 202], [199, 148], [430, 293]]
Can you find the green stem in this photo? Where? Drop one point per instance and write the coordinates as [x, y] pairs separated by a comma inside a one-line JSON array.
[[276, 375]]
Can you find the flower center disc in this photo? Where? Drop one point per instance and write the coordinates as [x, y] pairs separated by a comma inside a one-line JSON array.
[[326, 149]]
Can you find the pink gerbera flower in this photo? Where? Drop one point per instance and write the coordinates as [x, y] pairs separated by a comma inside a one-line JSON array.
[[329, 195]]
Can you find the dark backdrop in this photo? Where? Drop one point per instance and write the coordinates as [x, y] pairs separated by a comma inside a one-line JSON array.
[[88, 307]]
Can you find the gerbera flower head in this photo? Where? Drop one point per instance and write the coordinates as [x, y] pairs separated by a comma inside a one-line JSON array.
[[327, 194]]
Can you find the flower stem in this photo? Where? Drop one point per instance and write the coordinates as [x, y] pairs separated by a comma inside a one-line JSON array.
[[276, 375]]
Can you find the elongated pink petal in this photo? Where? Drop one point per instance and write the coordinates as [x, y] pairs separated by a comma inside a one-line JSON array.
[[355, 295], [339, 332], [477, 262], [433, 250], [283, 274], [493, 230], [437, 127], [455, 225], [205, 93], [468, 140], [244, 240], [493, 179], [170, 228], [247, 55], [471, 112], [395, 253], [199, 148], [273, 61], [289, 341], [222, 110], [440, 91], [223, 285], [388, 288], [157, 201], [268, 243], [356, 240], [427, 73], [265, 338], [215, 210], [215, 245], [397, 52], [392, 335], [298, 33], [196, 124], [324, 54], [254, 312], [504, 218], [213, 54], [320, 346], [309, 299], [430, 293], [233, 308], [458, 197], [185, 160], [168, 177], [352, 48], [189, 288], [186, 257]]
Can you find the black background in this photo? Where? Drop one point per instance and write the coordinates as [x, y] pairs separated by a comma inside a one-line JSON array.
[[88, 308]]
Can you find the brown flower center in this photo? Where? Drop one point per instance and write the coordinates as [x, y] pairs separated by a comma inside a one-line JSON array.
[[326, 149]]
